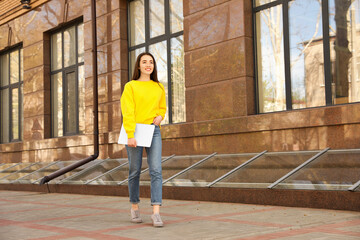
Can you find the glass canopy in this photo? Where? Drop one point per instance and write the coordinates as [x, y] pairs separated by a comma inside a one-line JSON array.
[[92, 172], [334, 170], [317, 170], [75, 171], [22, 172], [4, 166], [13, 169], [265, 170], [48, 168], [211, 169], [115, 175], [173, 166]]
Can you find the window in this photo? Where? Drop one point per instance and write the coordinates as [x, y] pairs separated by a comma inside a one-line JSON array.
[[11, 95], [68, 81], [306, 53], [156, 26]]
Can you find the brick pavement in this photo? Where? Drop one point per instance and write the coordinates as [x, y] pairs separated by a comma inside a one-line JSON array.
[[40, 216]]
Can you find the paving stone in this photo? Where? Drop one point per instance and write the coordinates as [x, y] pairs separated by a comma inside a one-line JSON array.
[[351, 228], [23, 233], [320, 236], [298, 216], [39, 216], [193, 230]]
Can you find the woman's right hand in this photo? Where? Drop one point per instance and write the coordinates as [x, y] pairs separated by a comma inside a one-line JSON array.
[[132, 142]]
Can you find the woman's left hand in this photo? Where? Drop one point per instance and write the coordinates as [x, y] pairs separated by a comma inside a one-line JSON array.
[[157, 120]]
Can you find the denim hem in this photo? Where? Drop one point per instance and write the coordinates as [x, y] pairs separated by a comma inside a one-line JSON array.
[[134, 202], [156, 203]]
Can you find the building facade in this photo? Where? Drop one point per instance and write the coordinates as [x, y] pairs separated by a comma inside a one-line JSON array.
[[227, 90]]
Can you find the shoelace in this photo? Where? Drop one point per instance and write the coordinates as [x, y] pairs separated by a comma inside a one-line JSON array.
[[137, 214], [157, 218]]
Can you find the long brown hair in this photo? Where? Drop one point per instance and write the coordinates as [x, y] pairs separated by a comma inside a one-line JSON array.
[[137, 73]]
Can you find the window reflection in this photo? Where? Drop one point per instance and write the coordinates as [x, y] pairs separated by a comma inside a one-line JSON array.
[[345, 50], [71, 102], [306, 53], [159, 51], [56, 100], [308, 63], [21, 65], [81, 99], [270, 60], [4, 73], [165, 42], [14, 67], [137, 22], [69, 47], [157, 18], [262, 2], [80, 32], [178, 80], [56, 51], [4, 106], [15, 113], [11, 73], [68, 81], [176, 16]]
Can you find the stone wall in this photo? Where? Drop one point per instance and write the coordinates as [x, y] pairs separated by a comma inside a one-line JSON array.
[[10, 9], [32, 30], [220, 87]]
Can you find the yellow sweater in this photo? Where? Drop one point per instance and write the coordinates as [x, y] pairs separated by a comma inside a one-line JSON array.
[[141, 102]]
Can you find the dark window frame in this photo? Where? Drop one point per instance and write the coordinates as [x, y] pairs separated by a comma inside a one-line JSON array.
[[64, 71], [12, 86], [326, 49], [167, 36]]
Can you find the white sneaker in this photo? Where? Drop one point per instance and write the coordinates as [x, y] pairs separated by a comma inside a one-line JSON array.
[[156, 220], [135, 216]]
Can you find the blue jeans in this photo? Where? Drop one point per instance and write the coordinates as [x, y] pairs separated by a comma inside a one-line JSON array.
[[154, 162]]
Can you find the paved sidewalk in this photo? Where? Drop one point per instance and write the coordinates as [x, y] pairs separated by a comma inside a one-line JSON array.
[[31, 215]]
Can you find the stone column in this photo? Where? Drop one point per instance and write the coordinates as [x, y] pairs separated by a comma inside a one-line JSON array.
[[218, 59]]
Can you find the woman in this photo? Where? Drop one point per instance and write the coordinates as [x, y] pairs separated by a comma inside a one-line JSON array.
[[143, 101]]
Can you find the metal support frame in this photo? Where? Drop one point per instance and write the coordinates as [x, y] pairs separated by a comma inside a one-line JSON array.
[[298, 168], [18, 171], [37, 181], [81, 172], [147, 169], [355, 186], [192, 166], [10, 167], [53, 163], [110, 171], [237, 168]]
